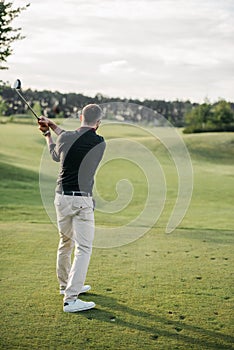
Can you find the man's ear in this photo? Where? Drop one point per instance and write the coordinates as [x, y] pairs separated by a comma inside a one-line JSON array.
[[81, 117], [97, 124]]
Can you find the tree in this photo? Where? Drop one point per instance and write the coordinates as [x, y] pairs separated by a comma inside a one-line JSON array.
[[8, 34], [207, 117], [199, 116], [2, 106], [223, 114]]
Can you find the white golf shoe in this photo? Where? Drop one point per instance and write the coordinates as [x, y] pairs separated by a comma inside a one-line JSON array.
[[84, 289], [77, 305]]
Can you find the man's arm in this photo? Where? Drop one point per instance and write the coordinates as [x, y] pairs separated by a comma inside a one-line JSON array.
[[49, 140], [44, 127]]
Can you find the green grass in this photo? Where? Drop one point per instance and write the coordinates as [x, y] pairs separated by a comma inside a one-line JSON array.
[[160, 292]]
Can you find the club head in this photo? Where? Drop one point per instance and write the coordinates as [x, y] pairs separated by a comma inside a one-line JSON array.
[[17, 84], [17, 87]]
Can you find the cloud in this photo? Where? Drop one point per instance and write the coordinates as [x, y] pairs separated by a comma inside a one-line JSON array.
[[136, 48], [116, 67]]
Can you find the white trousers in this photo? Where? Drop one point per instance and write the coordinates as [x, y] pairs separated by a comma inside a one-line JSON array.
[[75, 219]]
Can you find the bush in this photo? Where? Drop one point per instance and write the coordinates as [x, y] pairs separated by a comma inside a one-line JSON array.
[[210, 118]]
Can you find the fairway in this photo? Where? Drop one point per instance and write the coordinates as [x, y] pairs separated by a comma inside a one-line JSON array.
[[162, 291]]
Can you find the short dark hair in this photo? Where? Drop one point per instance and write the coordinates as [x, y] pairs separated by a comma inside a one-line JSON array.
[[92, 113]]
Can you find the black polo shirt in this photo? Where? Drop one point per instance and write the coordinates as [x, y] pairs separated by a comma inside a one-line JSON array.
[[79, 153]]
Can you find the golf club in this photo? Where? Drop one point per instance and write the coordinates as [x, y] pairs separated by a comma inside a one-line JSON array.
[[17, 87]]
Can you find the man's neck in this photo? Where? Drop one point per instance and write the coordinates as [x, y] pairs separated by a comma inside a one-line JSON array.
[[87, 126]]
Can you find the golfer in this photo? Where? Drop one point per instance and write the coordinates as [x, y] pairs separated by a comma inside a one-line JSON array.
[[79, 153]]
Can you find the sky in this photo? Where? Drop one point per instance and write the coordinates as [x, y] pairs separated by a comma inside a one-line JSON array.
[[145, 49]]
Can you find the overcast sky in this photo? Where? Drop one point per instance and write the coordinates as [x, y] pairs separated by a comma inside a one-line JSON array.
[[156, 49]]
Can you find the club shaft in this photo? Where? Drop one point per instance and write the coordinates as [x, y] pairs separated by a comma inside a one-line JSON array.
[[22, 97]]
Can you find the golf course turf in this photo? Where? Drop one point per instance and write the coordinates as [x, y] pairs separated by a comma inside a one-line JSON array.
[[162, 291]]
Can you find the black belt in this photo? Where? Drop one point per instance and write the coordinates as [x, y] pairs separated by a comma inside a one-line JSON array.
[[76, 193]]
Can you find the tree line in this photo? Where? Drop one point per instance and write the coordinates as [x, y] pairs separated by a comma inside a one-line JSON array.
[[193, 117], [56, 104]]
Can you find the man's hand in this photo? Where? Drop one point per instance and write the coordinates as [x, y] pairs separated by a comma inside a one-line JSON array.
[[46, 123], [43, 124]]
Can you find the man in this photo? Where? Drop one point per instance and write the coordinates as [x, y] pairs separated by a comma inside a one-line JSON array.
[[79, 153]]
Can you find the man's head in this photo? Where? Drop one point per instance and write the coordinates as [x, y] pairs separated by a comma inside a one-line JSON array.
[[91, 115]]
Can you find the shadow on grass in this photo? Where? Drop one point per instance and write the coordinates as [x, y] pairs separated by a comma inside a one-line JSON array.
[[163, 327]]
